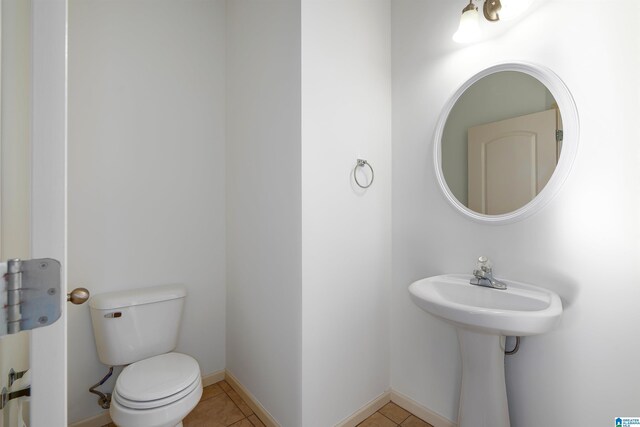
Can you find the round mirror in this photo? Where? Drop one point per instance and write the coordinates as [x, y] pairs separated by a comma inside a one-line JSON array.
[[505, 142]]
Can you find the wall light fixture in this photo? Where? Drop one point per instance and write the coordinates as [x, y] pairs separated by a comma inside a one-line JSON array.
[[493, 11], [469, 28]]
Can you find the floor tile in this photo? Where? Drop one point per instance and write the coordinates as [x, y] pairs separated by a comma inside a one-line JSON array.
[[377, 420], [255, 421], [210, 391], [242, 423], [241, 403], [221, 406], [218, 411], [394, 412], [414, 421]]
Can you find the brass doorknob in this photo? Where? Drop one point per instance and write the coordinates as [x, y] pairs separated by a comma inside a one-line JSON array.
[[78, 296]]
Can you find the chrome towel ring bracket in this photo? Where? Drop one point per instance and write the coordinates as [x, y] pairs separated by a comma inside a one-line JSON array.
[[362, 163]]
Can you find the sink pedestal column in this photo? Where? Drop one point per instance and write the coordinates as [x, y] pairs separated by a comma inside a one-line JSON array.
[[483, 398]]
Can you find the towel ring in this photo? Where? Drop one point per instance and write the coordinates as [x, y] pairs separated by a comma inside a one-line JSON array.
[[361, 163]]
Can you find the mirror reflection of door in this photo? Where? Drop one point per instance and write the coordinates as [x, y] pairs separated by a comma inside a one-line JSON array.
[[15, 171], [510, 161], [498, 145]]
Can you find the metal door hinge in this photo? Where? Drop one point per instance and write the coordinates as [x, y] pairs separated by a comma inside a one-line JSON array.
[[14, 376], [33, 298], [559, 135], [6, 396]]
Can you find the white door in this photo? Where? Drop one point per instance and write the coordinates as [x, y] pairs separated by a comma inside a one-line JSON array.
[[15, 174], [510, 161], [48, 201]]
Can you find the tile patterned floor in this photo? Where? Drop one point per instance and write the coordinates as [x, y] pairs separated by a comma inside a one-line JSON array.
[[221, 406], [391, 415]]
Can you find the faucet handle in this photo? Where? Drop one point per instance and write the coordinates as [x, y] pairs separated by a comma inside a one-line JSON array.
[[483, 266], [484, 275]]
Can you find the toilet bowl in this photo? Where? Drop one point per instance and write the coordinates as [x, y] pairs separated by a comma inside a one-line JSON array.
[[156, 392], [139, 328]]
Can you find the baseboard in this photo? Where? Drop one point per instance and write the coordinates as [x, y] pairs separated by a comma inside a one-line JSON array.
[[96, 421], [366, 411], [250, 400], [268, 420], [104, 418], [213, 378], [420, 411]]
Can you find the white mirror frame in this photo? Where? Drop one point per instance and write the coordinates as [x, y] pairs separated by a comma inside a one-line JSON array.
[[570, 125]]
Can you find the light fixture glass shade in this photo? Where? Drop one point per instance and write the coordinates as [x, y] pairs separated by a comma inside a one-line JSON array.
[[469, 28]]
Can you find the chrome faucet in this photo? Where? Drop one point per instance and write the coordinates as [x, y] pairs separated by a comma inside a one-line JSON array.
[[483, 275]]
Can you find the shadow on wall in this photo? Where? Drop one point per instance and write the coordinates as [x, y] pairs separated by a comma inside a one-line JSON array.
[[566, 287]]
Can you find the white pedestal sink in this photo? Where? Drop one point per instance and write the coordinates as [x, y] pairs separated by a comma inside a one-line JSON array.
[[482, 316]]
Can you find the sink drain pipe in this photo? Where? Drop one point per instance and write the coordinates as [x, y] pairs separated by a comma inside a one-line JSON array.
[[515, 348], [104, 399]]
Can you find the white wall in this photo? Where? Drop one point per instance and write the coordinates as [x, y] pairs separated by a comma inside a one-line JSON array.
[[264, 203], [303, 241], [585, 244], [346, 231], [146, 168]]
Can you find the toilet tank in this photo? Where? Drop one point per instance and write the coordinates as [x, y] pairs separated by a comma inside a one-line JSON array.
[[136, 324]]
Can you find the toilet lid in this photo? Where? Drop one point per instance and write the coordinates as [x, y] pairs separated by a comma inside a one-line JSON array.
[[150, 404], [157, 377]]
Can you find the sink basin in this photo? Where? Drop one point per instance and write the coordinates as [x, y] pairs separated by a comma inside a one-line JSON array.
[[482, 316], [519, 310]]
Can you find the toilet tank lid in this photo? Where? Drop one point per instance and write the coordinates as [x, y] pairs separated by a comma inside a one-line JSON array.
[[133, 297]]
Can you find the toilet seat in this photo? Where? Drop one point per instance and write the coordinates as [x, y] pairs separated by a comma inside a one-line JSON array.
[[157, 381], [150, 404]]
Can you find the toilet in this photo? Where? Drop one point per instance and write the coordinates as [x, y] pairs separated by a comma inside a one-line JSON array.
[[139, 328]]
